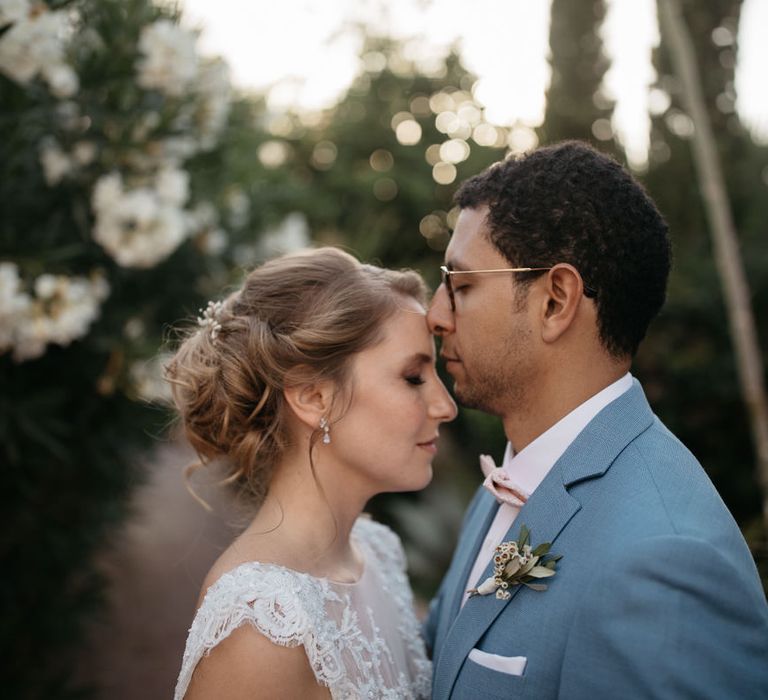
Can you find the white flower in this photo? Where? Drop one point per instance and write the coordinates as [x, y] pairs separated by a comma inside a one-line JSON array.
[[56, 164], [9, 287], [46, 286], [149, 379], [84, 152], [139, 227], [139, 232], [169, 61], [107, 192], [61, 311], [214, 242], [13, 11], [292, 234], [35, 45], [13, 303], [172, 186], [62, 79]]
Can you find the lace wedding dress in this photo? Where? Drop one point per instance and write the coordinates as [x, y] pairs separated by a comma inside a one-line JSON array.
[[362, 639]]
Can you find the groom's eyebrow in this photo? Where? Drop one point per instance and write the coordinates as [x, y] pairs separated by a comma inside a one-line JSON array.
[[454, 265]]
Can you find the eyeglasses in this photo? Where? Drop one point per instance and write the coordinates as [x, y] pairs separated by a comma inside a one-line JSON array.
[[446, 275]]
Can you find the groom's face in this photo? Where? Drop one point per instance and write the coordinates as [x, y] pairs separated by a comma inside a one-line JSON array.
[[488, 339]]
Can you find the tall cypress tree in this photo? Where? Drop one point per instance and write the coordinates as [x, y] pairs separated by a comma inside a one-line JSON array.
[[576, 107], [696, 387]]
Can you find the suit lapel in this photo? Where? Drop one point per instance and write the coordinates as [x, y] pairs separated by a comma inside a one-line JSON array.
[[546, 514], [476, 533]]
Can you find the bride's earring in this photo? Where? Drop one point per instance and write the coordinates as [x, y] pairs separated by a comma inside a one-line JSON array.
[[326, 430]]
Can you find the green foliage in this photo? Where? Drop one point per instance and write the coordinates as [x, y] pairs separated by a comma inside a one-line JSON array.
[[77, 411], [688, 358]]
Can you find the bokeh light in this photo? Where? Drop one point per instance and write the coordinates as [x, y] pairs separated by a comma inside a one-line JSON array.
[[444, 173], [408, 132], [273, 153], [381, 160]]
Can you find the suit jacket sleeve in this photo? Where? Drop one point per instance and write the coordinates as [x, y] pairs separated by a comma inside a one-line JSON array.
[[674, 617]]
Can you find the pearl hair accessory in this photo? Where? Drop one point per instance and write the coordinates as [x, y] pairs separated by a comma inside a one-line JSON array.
[[326, 431], [210, 318]]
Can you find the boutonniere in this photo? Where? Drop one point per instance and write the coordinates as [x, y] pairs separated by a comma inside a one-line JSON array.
[[516, 563]]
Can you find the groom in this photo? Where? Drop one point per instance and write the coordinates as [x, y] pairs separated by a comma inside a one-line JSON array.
[[656, 594]]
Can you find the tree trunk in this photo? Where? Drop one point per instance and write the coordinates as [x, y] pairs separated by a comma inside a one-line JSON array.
[[727, 257]]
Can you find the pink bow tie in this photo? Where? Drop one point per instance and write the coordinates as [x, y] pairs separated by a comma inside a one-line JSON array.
[[497, 481]]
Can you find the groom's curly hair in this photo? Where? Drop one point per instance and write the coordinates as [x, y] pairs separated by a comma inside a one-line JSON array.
[[570, 203]]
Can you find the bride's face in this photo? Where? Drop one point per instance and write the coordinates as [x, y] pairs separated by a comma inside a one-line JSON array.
[[387, 436]]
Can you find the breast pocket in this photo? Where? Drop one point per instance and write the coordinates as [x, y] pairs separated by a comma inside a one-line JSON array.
[[476, 681]]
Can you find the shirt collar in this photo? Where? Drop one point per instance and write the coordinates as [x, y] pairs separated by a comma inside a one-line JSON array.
[[529, 466]]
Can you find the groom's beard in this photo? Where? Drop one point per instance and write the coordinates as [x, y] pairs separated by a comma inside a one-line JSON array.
[[489, 394], [498, 383]]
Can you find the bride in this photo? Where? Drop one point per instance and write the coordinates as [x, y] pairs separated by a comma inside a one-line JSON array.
[[315, 385]]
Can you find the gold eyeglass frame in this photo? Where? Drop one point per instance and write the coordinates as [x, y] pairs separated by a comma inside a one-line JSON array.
[[445, 275]]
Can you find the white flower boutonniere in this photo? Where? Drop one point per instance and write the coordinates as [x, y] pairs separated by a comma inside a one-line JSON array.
[[516, 563]]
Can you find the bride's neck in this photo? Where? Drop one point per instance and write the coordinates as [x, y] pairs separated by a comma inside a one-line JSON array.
[[309, 521]]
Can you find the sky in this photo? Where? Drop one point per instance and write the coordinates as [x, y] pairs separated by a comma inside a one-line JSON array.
[[304, 53]]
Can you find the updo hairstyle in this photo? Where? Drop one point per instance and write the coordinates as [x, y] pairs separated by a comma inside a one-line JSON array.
[[298, 318]]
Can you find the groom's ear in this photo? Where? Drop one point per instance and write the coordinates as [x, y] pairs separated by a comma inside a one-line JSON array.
[[564, 297], [308, 400]]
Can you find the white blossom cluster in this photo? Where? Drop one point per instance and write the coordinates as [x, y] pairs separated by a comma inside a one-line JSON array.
[[139, 189], [170, 64], [58, 310], [148, 379], [140, 226], [34, 45], [57, 163], [169, 61]]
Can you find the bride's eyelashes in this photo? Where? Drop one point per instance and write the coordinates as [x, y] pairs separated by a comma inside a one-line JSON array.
[[414, 379]]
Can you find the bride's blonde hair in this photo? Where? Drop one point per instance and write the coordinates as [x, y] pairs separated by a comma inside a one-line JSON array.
[[303, 316]]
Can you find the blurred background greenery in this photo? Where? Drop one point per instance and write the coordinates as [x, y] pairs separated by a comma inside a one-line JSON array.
[[132, 191]]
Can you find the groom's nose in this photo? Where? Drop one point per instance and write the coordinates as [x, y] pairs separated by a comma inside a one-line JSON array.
[[440, 317]]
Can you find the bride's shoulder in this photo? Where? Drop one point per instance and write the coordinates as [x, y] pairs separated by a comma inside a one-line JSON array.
[[380, 539], [254, 591], [251, 607]]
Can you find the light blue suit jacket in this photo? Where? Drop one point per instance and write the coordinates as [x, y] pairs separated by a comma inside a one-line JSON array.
[[656, 596]]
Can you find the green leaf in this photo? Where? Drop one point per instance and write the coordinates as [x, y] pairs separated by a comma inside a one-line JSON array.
[[555, 557], [525, 534], [541, 572], [536, 586], [525, 569], [542, 549]]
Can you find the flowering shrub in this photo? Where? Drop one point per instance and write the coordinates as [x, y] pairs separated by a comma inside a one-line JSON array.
[[127, 186], [132, 161]]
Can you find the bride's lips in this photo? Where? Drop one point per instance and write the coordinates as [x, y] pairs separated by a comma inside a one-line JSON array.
[[430, 445]]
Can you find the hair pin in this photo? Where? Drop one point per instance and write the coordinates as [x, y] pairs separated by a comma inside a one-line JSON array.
[[211, 318]]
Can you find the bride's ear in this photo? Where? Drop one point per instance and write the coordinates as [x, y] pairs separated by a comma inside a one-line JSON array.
[[309, 401]]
